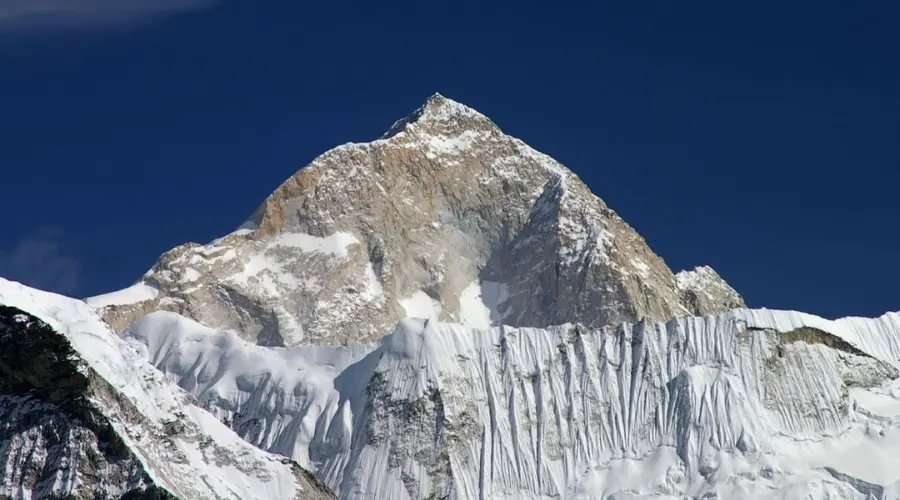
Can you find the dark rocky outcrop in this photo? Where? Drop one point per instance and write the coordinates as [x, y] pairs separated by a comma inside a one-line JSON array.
[[45, 394]]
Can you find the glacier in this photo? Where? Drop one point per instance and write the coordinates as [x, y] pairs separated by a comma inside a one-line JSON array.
[[745, 404]]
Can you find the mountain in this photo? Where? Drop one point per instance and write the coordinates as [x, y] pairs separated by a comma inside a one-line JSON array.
[[442, 313], [745, 404], [443, 217], [82, 415]]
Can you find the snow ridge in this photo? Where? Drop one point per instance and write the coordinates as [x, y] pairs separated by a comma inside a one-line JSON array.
[[179, 447]]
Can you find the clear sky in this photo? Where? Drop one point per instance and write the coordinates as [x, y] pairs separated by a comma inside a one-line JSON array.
[[763, 140]]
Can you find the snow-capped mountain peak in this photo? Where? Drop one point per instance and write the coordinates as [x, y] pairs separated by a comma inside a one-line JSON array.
[[441, 313], [441, 116], [444, 217]]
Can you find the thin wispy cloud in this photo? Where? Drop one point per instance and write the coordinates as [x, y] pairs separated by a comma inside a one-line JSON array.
[[28, 16], [41, 261]]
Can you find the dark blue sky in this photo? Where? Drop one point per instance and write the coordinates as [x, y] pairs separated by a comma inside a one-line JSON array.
[[763, 140]]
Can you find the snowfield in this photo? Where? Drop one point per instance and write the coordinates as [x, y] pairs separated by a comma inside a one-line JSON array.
[[747, 404]]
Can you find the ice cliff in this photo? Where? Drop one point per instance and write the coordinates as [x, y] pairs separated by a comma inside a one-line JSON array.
[[751, 403]]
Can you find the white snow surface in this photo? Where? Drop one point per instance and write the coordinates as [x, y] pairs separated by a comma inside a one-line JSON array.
[[713, 407], [138, 292], [181, 464], [421, 305], [335, 244], [479, 304]]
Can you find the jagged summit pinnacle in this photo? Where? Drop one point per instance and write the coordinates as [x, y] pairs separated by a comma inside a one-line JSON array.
[[442, 115], [437, 97], [445, 217]]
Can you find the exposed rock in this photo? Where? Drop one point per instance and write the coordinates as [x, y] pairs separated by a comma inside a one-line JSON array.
[[703, 291], [50, 425], [445, 216]]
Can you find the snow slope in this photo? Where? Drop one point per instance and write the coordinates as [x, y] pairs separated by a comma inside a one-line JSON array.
[[747, 404], [182, 448], [134, 294]]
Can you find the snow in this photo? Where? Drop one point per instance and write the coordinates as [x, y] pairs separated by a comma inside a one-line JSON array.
[[264, 269], [695, 406], [642, 268], [441, 145], [872, 459], [373, 288], [335, 244], [878, 337], [632, 475], [252, 268], [703, 280], [246, 228], [440, 109], [252, 474], [221, 366], [271, 274], [191, 275], [138, 292], [421, 305], [479, 302], [884, 404]]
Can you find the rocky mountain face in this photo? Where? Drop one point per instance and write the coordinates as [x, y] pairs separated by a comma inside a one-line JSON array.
[[443, 217], [82, 416]]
